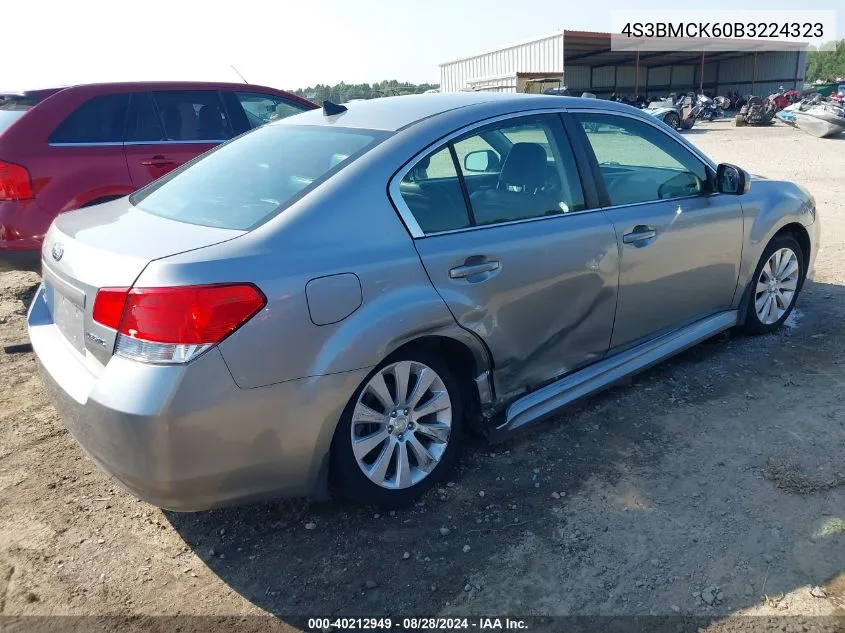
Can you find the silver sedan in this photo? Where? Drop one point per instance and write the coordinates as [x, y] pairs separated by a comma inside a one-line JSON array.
[[335, 298]]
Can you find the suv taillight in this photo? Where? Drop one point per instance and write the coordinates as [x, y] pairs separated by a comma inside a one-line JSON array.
[[175, 325], [14, 182]]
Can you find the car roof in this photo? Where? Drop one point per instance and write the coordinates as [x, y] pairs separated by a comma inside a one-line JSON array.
[[396, 113], [125, 86]]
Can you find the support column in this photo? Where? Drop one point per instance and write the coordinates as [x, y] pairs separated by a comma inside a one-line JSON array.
[[718, 87], [637, 75], [754, 73]]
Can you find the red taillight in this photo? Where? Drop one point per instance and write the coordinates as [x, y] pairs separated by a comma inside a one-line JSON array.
[[189, 314], [14, 182], [178, 316], [108, 306]]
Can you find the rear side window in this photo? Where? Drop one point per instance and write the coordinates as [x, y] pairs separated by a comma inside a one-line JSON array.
[[433, 193], [515, 170], [262, 108], [193, 115], [241, 184], [98, 120], [143, 123]]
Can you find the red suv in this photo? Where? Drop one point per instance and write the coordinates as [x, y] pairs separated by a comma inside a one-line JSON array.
[[66, 148]]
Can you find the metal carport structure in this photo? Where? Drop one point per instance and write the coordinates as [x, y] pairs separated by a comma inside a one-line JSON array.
[[587, 62]]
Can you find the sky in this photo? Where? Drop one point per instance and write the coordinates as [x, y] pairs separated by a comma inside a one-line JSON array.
[[286, 44]]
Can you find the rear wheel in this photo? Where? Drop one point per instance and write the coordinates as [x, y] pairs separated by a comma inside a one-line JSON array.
[[401, 431], [775, 285], [739, 121], [672, 120]]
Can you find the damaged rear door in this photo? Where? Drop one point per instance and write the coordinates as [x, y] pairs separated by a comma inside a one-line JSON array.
[[525, 264]]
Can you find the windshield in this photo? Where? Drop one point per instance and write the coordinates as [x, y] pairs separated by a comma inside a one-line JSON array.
[[11, 111], [245, 182]]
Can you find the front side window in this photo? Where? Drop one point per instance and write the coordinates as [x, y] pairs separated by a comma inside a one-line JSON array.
[[518, 169], [263, 108], [193, 115], [640, 163], [241, 184], [98, 120]]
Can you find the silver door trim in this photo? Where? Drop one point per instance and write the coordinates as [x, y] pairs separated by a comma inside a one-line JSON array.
[[97, 144], [399, 202], [599, 375], [131, 143]]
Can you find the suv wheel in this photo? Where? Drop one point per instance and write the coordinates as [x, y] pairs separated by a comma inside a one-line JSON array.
[[401, 431]]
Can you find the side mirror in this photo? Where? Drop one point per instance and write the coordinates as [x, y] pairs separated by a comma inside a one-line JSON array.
[[732, 180], [481, 161]]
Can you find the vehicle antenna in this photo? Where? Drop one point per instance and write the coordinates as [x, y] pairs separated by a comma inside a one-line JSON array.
[[238, 73]]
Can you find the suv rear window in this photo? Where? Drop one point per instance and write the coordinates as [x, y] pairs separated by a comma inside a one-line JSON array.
[[98, 120], [242, 184]]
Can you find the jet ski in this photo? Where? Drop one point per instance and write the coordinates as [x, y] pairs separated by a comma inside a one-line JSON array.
[[787, 115], [818, 118]]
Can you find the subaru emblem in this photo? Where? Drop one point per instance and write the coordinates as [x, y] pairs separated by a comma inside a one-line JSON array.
[[58, 251]]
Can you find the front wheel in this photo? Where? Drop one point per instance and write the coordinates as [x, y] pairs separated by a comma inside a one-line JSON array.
[[401, 431], [775, 285]]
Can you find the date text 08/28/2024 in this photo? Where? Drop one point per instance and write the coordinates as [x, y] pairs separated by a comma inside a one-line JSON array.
[[417, 624]]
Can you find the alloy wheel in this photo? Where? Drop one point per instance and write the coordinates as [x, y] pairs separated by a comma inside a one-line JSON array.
[[776, 286], [401, 424]]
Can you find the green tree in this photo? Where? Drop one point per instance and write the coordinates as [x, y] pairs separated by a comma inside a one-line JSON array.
[[343, 92], [827, 64]]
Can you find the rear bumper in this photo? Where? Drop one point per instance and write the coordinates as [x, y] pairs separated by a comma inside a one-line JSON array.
[[187, 437], [22, 227]]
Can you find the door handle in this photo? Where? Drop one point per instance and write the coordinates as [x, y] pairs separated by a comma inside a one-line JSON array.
[[158, 161], [459, 272], [638, 234]]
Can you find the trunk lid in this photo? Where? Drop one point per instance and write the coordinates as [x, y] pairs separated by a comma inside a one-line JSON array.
[[108, 245]]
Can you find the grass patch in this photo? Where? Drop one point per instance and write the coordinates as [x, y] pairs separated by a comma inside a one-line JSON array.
[[832, 527]]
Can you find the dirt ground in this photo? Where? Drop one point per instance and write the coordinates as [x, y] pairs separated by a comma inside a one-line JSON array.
[[712, 485]]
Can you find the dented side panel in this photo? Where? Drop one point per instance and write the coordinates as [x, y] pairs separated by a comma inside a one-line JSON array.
[[548, 308]]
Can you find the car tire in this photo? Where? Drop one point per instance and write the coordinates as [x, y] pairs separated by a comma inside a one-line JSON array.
[[766, 309], [672, 120], [392, 471]]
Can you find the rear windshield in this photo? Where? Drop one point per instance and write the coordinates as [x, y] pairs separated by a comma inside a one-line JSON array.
[[243, 183], [11, 110]]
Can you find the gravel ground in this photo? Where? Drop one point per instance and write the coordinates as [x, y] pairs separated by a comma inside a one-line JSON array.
[[710, 486]]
